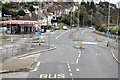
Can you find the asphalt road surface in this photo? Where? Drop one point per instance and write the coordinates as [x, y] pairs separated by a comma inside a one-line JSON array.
[[94, 61]]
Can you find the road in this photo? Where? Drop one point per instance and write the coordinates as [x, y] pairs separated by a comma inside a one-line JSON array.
[[94, 61]]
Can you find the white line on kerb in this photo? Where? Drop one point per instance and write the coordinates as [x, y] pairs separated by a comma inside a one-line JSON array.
[[77, 60], [61, 34], [79, 55]]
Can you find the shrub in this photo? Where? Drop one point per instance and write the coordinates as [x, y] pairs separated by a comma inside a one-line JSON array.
[[114, 30], [102, 29], [97, 27]]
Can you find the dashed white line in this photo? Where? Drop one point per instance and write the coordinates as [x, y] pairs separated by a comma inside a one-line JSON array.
[[68, 66], [71, 74], [70, 70], [77, 60], [79, 55], [79, 51]]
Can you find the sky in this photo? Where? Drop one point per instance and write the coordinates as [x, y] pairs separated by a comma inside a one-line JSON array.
[[111, 1]]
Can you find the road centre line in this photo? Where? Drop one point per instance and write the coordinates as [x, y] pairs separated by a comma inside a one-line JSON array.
[[70, 70], [71, 74], [79, 51], [77, 60], [61, 34], [79, 55], [69, 67]]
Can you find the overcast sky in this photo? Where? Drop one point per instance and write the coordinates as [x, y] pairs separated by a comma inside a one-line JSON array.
[[112, 1]]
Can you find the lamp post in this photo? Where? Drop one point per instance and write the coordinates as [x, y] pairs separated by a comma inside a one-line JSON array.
[[78, 17], [109, 14], [118, 13]]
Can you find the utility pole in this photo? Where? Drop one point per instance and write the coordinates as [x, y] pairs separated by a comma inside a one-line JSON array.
[[118, 13], [78, 17], [71, 22], [109, 14], [48, 28]]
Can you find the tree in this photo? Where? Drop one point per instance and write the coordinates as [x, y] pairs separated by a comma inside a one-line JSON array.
[[5, 11], [21, 12], [31, 8], [93, 6], [8, 4]]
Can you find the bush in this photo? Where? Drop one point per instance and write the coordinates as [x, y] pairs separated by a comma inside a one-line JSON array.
[[97, 27], [113, 30], [102, 29]]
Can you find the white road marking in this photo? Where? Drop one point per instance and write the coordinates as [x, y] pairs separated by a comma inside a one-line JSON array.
[[71, 74], [70, 70], [75, 42], [79, 51], [68, 66], [79, 55], [52, 75], [61, 34], [89, 43], [83, 31], [77, 70], [36, 67], [97, 54], [77, 60]]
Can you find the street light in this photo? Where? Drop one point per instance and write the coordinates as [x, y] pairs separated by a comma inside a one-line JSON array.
[[109, 14], [118, 3], [78, 17]]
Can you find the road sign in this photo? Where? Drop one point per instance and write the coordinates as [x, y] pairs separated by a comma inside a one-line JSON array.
[[39, 33], [107, 33]]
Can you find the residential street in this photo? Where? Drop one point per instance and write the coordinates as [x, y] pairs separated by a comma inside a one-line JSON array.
[[94, 61]]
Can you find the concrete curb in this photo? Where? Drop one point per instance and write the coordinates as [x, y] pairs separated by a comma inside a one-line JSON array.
[[37, 52], [114, 56]]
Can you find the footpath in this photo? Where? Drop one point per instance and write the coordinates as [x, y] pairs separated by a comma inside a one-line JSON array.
[[13, 61]]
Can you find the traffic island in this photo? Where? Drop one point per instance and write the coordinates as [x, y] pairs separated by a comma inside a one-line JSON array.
[[80, 46], [74, 37], [18, 65]]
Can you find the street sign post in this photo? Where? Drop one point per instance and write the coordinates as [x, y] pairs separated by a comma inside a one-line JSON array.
[[39, 33], [107, 33]]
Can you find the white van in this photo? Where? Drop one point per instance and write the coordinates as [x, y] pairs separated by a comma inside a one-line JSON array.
[[64, 27]]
